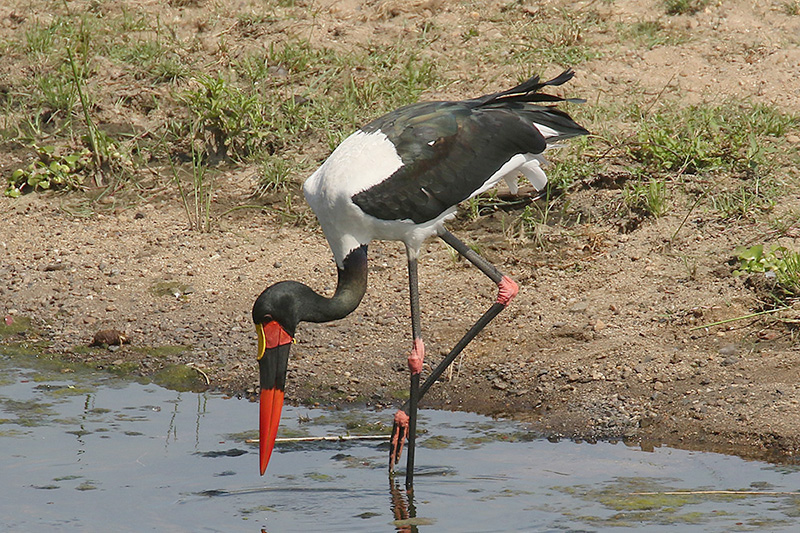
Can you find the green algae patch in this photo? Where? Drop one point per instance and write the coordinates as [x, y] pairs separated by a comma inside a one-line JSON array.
[[125, 369], [70, 390], [637, 501], [400, 394], [243, 436], [438, 442], [319, 476], [70, 477], [181, 378], [28, 413], [14, 325], [14, 433], [361, 425], [86, 485], [29, 349], [41, 366]]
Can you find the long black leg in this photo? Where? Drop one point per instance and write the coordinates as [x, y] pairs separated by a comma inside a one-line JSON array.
[[414, 365], [507, 290], [472, 256]]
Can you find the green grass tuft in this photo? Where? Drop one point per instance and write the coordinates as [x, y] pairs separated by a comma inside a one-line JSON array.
[[684, 7]]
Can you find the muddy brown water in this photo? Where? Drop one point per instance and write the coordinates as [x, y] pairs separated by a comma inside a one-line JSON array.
[[88, 451]]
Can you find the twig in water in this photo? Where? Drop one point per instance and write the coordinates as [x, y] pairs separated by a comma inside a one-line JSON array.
[[329, 438], [713, 492]]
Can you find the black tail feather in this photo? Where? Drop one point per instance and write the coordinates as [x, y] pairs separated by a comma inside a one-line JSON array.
[[528, 91]]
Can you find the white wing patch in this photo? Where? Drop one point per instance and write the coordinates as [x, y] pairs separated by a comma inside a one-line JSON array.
[[532, 170], [361, 161], [546, 131], [529, 164]]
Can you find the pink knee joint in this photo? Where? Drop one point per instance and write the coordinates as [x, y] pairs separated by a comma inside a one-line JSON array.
[[417, 356], [507, 290], [401, 418]]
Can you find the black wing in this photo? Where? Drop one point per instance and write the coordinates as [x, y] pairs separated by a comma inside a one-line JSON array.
[[450, 149]]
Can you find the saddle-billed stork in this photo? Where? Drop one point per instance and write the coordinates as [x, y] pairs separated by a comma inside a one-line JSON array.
[[400, 178]]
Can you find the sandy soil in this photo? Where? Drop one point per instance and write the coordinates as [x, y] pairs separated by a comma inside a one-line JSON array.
[[601, 341]]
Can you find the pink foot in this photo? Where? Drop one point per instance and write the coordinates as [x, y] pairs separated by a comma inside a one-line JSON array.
[[507, 290], [399, 432], [417, 356]]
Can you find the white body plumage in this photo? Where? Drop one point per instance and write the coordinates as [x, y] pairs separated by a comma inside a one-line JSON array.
[[365, 159]]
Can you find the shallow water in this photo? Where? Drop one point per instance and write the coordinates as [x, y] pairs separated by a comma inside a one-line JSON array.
[[84, 451]]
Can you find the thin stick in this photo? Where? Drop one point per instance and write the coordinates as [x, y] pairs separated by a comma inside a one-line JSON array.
[[740, 318], [329, 438], [205, 376], [742, 492]]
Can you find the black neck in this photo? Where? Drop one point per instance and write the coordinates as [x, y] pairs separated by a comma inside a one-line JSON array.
[[350, 289]]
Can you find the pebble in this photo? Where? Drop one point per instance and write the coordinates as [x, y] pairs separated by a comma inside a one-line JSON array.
[[499, 384], [729, 349], [579, 307]]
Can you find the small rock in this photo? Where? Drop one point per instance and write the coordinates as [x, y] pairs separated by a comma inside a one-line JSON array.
[[768, 335], [579, 307], [499, 384], [729, 349], [109, 337]]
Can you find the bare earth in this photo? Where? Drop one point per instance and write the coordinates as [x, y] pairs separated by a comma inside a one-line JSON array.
[[598, 344]]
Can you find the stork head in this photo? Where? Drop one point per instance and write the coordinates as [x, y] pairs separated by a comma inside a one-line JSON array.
[[273, 315]]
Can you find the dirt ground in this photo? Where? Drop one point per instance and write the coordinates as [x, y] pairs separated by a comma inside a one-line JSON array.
[[603, 339]]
